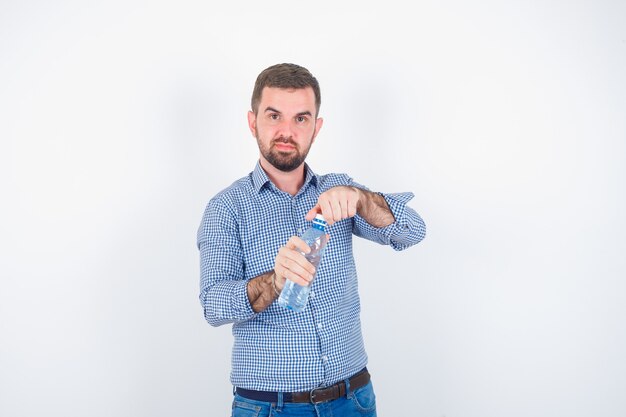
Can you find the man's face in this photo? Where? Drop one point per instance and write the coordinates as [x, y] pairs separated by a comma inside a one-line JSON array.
[[285, 126]]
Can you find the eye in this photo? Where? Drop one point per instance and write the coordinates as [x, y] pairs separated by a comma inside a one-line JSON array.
[[274, 116], [300, 119]]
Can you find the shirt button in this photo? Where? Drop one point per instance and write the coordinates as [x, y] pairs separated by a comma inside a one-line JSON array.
[[325, 358], [320, 326], [312, 294], [299, 230]]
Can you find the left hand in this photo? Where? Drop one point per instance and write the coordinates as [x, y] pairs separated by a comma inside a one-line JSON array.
[[336, 204]]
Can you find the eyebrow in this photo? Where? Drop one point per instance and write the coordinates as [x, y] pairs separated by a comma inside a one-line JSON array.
[[273, 110], [302, 113]]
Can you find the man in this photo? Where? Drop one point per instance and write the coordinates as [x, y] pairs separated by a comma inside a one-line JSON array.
[[312, 362]]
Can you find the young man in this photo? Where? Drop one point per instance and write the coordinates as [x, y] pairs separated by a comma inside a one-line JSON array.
[[312, 361]]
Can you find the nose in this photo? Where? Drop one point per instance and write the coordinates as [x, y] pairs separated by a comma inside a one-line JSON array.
[[285, 129]]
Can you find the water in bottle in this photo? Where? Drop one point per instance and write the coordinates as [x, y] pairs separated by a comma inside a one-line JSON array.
[[295, 296]]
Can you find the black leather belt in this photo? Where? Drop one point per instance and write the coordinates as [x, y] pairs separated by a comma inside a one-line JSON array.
[[316, 395]]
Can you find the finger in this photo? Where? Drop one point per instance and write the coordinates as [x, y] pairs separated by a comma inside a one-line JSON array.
[[327, 211], [295, 267], [351, 208], [345, 205], [311, 214], [296, 243], [291, 276], [295, 261], [336, 207], [353, 203]]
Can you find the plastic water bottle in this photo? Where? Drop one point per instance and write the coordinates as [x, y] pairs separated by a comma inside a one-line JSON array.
[[295, 296]]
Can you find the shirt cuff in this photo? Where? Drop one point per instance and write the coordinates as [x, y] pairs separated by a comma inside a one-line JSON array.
[[405, 231], [229, 303], [397, 205]]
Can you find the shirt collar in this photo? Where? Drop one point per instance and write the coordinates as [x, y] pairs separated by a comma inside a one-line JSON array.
[[260, 178]]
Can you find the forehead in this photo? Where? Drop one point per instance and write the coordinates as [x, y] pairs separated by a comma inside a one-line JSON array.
[[288, 99]]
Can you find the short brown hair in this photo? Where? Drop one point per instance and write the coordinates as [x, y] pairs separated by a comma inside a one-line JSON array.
[[285, 76]]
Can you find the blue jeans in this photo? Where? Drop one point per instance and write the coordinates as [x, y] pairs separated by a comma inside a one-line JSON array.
[[358, 403]]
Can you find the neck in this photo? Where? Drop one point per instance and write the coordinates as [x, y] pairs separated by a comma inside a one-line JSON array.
[[289, 182]]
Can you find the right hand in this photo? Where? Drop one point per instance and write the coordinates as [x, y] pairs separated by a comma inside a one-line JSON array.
[[291, 264]]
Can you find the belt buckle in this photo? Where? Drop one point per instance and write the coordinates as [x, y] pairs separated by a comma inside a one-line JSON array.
[[312, 396]]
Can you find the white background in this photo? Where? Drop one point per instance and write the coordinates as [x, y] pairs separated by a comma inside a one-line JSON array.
[[119, 120]]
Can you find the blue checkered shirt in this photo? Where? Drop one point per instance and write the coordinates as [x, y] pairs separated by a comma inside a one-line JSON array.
[[279, 350]]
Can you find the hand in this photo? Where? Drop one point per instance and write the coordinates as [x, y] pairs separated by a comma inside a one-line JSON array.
[[336, 204], [291, 264]]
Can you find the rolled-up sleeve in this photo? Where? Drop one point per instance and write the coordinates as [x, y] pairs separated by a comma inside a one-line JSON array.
[[407, 230], [223, 288]]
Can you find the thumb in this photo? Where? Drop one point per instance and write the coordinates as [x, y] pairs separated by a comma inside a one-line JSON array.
[[311, 214]]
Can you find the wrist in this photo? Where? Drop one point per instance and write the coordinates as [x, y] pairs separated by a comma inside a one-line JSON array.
[[273, 279]]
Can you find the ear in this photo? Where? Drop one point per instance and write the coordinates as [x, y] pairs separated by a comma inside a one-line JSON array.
[[318, 125], [252, 122]]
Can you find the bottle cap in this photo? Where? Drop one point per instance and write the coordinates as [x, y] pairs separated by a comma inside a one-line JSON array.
[[319, 219]]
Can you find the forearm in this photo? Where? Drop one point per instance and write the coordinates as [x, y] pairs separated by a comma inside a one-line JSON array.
[[262, 292], [373, 208], [407, 229]]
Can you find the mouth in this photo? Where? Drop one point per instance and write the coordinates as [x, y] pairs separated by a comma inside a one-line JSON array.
[[284, 146]]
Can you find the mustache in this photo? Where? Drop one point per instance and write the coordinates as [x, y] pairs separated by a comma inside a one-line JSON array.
[[283, 139]]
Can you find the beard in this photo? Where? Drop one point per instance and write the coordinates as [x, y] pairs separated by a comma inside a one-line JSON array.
[[284, 161]]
